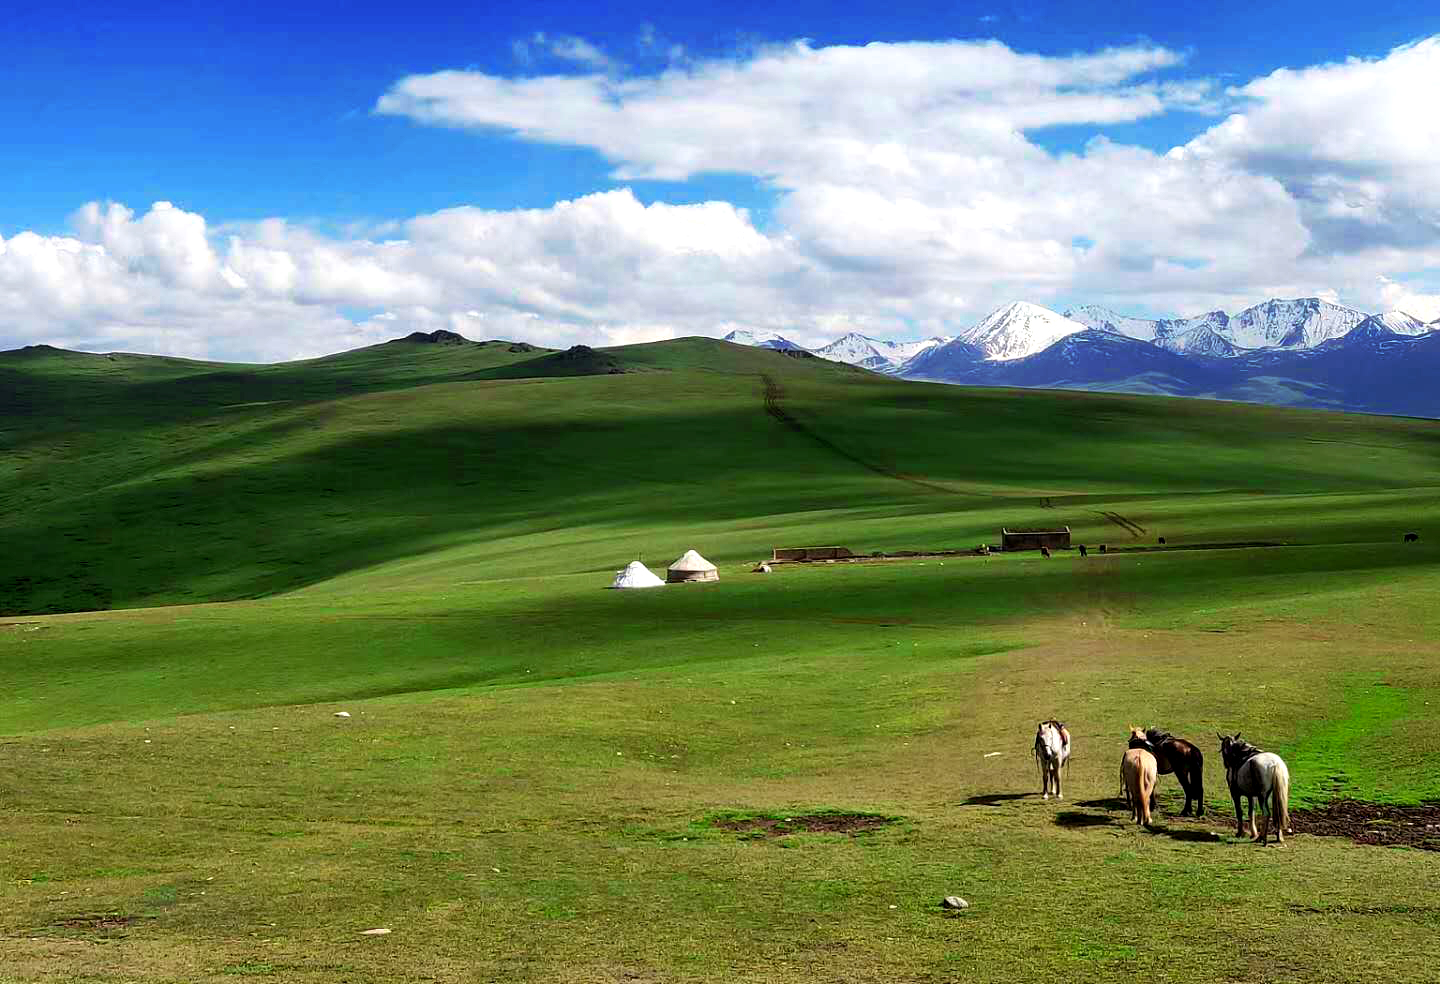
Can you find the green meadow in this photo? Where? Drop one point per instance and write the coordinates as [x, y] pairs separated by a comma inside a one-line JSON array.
[[538, 780]]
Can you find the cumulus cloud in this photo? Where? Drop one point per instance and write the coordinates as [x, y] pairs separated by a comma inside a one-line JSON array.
[[1418, 304], [1353, 143], [911, 197], [784, 112]]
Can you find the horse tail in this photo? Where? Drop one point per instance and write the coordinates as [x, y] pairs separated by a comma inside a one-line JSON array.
[[1199, 780], [1281, 795]]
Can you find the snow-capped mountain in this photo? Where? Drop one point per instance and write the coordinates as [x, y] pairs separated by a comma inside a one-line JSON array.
[[878, 354], [1203, 335], [1401, 323], [1019, 329], [1301, 323], [761, 339], [875, 353], [1104, 319]]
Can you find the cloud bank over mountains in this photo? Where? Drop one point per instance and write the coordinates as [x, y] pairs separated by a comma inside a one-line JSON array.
[[913, 197]]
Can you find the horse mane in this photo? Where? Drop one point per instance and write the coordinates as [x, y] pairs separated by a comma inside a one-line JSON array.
[[1156, 736], [1144, 743], [1240, 751], [1057, 725]]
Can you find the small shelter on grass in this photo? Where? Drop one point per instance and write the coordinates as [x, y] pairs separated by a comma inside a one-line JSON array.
[[1035, 539], [636, 575], [691, 567]]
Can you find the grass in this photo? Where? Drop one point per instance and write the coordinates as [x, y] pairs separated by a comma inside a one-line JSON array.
[[528, 783]]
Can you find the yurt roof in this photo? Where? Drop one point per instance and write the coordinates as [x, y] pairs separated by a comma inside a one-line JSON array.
[[692, 561], [637, 575]]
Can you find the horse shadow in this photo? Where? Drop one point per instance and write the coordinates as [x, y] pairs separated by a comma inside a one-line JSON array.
[[994, 799], [1074, 818], [1113, 803]]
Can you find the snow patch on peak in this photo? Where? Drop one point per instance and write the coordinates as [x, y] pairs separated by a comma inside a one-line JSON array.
[[761, 339], [1104, 319], [1300, 323], [875, 353], [1019, 329], [1403, 324]]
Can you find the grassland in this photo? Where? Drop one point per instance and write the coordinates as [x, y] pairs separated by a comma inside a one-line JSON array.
[[419, 536]]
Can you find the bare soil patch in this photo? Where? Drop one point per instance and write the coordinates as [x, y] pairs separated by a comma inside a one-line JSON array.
[[97, 921], [809, 823], [1373, 823]]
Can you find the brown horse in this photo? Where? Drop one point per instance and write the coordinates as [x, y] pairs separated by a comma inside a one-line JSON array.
[[1137, 775], [1178, 756]]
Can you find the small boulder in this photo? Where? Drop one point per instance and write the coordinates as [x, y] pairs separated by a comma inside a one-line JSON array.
[[342, 714], [954, 902]]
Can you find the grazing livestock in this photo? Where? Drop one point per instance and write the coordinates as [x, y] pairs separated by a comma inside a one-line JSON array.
[[1178, 756], [1257, 774], [1083, 552], [1137, 775], [1102, 548], [1045, 551], [1411, 537], [1162, 541], [1052, 754]]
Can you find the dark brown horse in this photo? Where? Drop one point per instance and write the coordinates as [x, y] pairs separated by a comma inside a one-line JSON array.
[[1180, 757]]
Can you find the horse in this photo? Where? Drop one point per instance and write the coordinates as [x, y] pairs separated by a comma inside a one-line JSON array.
[[1178, 756], [1052, 754], [1045, 551], [1082, 550], [1412, 537], [1162, 541], [1137, 775], [1252, 772]]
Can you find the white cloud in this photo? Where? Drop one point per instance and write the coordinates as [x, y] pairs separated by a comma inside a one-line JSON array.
[[781, 113], [911, 199], [1417, 304], [1354, 143]]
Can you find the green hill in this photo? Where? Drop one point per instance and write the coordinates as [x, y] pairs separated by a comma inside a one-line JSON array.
[[133, 480]]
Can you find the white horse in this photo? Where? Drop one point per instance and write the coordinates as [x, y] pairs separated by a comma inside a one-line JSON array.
[[1262, 775], [1052, 753]]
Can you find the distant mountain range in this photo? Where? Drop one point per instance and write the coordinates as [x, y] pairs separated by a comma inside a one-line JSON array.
[[1301, 352]]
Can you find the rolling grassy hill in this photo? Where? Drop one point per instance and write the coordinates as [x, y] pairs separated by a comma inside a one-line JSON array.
[[418, 534]]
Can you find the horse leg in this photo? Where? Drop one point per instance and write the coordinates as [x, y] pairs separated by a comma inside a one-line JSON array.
[[1250, 818], [1059, 769], [1239, 816]]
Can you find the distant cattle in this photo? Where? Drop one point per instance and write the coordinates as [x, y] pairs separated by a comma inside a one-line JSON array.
[[1102, 548], [1044, 551], [1411, 537], [1082, 550], [1162, 541]]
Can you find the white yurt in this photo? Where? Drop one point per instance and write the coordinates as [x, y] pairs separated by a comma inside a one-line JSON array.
[[636, 575], [692, 567]]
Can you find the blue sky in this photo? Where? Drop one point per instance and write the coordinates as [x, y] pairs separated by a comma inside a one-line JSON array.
[[335, 173], [250, 111]]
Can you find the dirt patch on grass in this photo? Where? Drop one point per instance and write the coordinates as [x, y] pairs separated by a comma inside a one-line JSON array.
[[99, 922], [808, 823], [1373, 823]]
